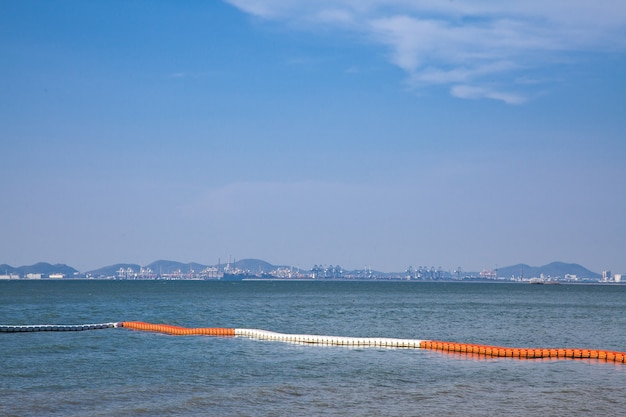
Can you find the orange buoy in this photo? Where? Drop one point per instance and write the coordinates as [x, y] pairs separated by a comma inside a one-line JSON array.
[[178, 330], [486, 350], [462, 348]]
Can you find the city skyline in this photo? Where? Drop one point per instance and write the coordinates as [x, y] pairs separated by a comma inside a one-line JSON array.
[[360, 134], [260, 269]]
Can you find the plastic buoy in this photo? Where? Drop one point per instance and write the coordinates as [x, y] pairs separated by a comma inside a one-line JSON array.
[[461, 348], [607, 355], [56, 328]]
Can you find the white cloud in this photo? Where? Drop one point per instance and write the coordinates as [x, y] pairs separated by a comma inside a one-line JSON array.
[[472, 92], [459, 74], [451, 42], [336, 16]]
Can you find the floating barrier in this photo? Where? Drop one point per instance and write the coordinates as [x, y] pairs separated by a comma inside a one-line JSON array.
[[461, 348], [467, 348], [281, 337], [56, 328], [486, 350], [310, 339], [177, 330]]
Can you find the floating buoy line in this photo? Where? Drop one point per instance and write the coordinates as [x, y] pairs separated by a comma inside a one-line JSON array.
[[461, 348], [57, 328]]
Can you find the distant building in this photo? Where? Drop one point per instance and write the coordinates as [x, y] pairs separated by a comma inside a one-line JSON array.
[[33, 276], [56, 276], [127, 273], [489, 274], [618, 277], [10, 276]]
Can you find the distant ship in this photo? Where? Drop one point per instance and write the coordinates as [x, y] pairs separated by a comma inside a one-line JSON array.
[[234, 273], [542, 281], [234, 277]]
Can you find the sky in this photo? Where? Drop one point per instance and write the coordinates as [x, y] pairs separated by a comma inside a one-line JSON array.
[[380, 133]]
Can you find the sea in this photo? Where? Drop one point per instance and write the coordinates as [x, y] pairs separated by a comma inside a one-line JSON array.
[[123, 372]]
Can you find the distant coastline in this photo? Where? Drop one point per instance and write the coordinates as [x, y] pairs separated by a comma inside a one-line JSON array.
[[323, 280], [254, 269]]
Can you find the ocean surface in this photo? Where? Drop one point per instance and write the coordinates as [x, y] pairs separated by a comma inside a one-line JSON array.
[[123, 372]]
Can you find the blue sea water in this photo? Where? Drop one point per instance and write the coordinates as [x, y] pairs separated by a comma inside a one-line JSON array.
[[132, 373]]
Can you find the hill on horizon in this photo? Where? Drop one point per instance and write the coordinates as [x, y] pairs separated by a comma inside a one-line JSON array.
[[257, 266], [111, 270], [42, 268], [553, 269], [171, 267], [163, 267]]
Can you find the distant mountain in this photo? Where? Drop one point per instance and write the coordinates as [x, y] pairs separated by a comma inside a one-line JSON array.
[[258, 267], [7, 269], [42, 268], [554, 269], [165, 267], [255, 266], [172, 267], [111, 270], [47, 269]]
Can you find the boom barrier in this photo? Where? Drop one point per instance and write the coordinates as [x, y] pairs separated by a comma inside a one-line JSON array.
[[461, 348], [56, 328]]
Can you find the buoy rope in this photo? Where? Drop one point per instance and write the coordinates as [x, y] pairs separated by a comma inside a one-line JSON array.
[[499, 351], [177, 330], [56, 327], [467, 348], [462, 348]]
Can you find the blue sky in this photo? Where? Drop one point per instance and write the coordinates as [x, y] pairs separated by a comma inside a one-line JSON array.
[[379, 133]]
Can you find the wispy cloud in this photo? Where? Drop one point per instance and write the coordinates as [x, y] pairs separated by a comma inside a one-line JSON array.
[[477, 47], [470, 92], [181, 75]]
